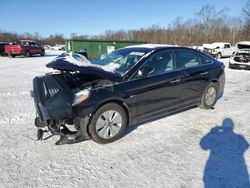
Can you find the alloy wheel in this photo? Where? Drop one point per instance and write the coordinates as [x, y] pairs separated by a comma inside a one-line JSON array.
[[108, 124], [210, 96]]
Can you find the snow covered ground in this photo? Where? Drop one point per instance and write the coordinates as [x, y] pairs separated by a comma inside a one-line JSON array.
[[174, 151]]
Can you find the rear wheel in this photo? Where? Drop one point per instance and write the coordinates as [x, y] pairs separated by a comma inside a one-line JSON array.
[[209, 96], [12, 55], [27, 54], [108, 123], [43, 53]]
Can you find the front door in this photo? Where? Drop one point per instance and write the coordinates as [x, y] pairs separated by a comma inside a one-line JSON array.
[[160, 91]]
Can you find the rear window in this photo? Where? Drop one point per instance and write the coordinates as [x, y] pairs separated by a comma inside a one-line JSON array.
[[189, 59]]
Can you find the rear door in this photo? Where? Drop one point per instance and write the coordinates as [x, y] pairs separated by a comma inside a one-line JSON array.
[[32, 48], [227, 50], [198, 70]]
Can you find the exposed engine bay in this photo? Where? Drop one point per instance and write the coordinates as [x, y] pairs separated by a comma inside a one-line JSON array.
[[78, 80]]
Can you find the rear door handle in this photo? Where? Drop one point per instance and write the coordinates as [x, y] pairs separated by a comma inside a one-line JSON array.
[[204, 73], [175, 81]]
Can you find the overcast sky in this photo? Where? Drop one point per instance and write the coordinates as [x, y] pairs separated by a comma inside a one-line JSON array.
[[95, 16]]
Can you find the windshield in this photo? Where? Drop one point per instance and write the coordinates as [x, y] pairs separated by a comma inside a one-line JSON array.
[[122, 60], [243, 46]]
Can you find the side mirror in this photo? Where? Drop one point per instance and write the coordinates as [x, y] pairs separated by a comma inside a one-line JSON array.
[[144, 72]]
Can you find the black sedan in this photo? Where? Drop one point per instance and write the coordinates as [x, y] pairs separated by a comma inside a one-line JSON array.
[[130, 85]]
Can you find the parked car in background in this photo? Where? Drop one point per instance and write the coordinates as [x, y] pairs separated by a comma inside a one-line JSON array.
[[2, 49], [24, 47], [47, 47], [58, 47], [241, 58], [200, 48], [219, 49], [124, 87]]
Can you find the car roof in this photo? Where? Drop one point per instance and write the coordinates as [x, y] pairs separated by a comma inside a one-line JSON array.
[[151, 46], [243, 43], [220, 43], [26, 41], [158, 47]]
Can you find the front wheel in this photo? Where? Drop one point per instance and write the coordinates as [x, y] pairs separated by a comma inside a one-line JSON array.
[[108, 123], [43, 53], [209, 97], [27, 54]]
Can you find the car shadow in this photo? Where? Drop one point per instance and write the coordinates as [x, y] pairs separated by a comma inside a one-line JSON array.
[[225, 167], [133, 127], [51, 55], [46, 55], [36, 55]]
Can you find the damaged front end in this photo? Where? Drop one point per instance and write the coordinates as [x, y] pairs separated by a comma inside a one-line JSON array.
[[54, 101], [240, 60], [58, 95]]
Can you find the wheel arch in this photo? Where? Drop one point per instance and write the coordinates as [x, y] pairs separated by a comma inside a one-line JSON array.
[[214, 80], [117, 101]]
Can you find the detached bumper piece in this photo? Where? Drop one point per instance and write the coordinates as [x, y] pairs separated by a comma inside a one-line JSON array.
[[66, 136]]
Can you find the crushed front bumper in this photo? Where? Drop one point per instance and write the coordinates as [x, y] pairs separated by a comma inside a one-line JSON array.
[[53, 102], [245, 66]]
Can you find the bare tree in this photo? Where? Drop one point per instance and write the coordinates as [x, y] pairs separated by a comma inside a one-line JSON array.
[[209, 25], [246, 14]]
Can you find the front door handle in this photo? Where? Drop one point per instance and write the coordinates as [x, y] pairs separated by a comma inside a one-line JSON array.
[[204, 73], [175, 81]]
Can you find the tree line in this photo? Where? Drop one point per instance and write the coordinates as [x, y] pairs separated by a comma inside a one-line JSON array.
[[209, 25]]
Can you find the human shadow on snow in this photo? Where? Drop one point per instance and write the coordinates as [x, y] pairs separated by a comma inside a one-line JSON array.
[[225, 167]]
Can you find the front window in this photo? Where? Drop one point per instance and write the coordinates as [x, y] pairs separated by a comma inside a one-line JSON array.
[[162, 62], [121, 61]]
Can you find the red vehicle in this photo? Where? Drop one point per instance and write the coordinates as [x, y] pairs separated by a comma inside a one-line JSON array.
[[24, 47]]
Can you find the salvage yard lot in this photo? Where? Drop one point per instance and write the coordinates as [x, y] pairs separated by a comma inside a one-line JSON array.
[[161, 153]]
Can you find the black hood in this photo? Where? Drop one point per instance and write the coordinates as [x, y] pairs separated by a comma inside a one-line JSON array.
[[64, 64]]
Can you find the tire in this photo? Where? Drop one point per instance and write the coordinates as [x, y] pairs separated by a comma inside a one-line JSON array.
[[209, 97], [43, 53], [12, 55], [101, 128], [230, 66], [218, 56], [27, 54]]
